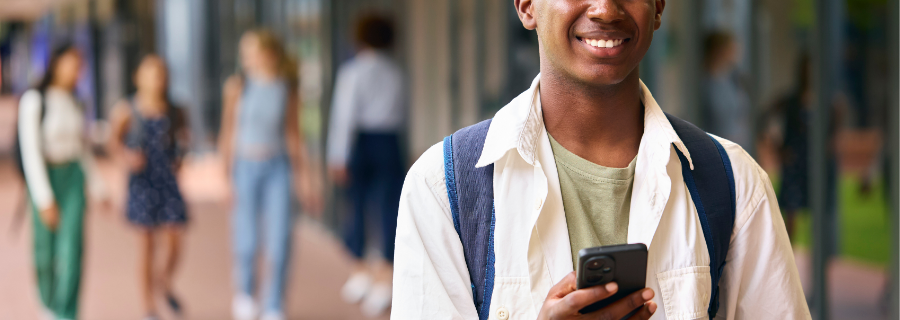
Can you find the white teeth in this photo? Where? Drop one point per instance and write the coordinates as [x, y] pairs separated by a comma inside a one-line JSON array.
[[600, 43]]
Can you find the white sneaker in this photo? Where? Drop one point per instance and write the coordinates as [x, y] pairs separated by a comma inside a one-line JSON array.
[[377, 301], [243, 307], [270, 315], [356, 287]]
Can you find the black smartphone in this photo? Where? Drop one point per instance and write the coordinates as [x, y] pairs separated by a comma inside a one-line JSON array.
[[625, 264]]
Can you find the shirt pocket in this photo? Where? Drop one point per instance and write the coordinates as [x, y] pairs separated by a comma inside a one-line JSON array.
[[685, 292], [511, 299]]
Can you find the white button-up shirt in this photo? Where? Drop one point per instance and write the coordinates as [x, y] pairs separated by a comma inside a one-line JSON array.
[[531, 240]]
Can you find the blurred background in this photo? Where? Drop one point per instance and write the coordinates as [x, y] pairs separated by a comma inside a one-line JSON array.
[[810, 87]]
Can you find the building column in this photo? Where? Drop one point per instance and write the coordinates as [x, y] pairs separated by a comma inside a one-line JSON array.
[[692, 34], [826, 68], [429, 78], [893, 149]]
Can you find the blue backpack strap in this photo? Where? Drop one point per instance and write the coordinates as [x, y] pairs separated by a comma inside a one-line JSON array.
[[711, 185], [471, 194]]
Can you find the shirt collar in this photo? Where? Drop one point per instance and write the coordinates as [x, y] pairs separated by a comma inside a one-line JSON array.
[[370, 53], [518, 126]]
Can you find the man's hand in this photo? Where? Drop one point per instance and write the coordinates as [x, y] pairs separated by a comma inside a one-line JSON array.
[[50, 217], [564, 301]]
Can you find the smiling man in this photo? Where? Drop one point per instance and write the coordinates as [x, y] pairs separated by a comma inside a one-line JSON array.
[[491, 220]]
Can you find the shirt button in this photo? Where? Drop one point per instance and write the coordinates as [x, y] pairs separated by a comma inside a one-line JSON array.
[[502, 314]]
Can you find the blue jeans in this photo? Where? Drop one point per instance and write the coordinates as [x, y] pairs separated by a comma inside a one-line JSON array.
[[262, 194], [377, 171]]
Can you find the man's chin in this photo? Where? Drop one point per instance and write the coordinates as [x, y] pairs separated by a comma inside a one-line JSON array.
[[602, 79]]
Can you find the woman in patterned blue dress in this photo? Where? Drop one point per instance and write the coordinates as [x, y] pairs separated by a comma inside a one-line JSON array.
[[147, 134]]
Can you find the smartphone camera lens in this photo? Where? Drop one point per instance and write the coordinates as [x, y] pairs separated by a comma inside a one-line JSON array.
[[594, 277], [595, 264], [607, 270]]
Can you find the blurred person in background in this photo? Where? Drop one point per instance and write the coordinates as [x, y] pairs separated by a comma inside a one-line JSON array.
[[148, 135], [265, 152], [725, 104], [364, 154], [795, 110], [56, 160]]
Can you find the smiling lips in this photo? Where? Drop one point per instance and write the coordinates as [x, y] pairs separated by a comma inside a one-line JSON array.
[[601, 43]]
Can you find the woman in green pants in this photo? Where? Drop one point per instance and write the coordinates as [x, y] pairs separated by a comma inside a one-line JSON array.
[[55, 156]]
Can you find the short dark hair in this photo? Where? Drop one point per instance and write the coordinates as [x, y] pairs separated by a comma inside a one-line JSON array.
[[714, 43], [375, 31]]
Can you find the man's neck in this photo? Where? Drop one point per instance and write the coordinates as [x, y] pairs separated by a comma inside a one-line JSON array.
[[601, 124]]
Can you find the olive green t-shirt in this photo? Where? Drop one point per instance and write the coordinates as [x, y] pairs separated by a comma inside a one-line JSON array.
[[596, 200]]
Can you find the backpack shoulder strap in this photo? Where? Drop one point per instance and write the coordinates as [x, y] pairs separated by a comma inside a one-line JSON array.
[[711, 185], [471, 194]]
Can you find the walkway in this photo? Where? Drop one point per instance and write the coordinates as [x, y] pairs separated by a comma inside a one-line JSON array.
[[110, 282]]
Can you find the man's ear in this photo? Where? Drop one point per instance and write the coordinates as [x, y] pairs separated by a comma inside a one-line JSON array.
[[525, 10], [657, 18]]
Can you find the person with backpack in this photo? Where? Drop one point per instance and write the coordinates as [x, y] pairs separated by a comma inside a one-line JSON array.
[[265, 153], [491, 218], [148, 135], [56, 162]]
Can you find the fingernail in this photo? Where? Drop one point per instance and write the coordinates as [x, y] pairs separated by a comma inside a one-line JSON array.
[[651, 306], [647, 294], [612, 287]]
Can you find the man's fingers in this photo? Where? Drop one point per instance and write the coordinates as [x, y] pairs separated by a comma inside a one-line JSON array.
[[646, 311], [582, 298], [630, 302], [563, 287]]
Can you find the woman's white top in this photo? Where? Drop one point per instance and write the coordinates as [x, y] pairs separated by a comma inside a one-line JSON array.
[[60, 139]]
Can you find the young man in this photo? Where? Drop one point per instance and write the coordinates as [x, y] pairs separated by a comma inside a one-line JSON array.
[[586, 157]]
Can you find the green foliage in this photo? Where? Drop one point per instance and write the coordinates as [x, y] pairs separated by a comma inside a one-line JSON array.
[[803, 14], [864, 14], [861, 13], [863, 224]]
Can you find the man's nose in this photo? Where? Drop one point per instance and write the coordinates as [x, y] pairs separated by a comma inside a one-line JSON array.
[[605, 11]]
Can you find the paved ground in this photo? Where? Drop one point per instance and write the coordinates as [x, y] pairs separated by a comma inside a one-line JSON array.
[[110, 280], [319, 264], [855, 289]]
